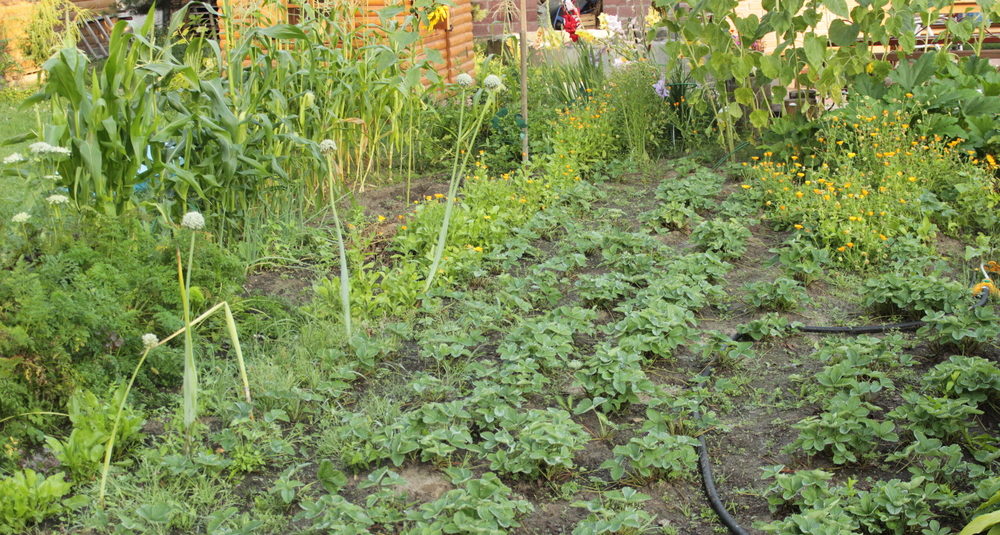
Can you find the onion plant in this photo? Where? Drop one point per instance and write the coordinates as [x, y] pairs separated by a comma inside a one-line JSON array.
[[464, 139], [328, 147]]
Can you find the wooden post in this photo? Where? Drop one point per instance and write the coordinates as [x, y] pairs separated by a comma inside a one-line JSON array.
[[524, 80]]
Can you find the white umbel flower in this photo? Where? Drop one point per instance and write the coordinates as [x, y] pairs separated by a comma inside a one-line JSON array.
[[149, 341], [193, 221], [464, 80], [20, 217], [57, 199], [14, 158], [327, 146], [492, 82], [42, 148]]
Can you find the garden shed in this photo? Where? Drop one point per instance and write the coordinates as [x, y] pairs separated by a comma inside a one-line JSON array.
[[452, 37]]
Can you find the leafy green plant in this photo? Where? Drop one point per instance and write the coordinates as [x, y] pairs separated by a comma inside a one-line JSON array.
[[972, 378], [656, 329], [485, 504], [844, 430], [616, 512], [728, 239], [28, 498], [802, 260], [614, 376], [93, 421], [780, 294], [913, 295], [895, 506], [654, 455], [534, 443], [935, 416], [964, 330], [767, 326]]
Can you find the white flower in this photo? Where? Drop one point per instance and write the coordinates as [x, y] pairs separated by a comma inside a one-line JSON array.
[[14, 158], [464, 80], [20, 217], [492, 82], [149, 340], [57, 199], [610, 23], [327, 146], [193, 221], [620, 62], [42, 148]]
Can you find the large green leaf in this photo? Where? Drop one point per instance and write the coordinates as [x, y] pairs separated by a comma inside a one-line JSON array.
[[843, 34], [981, 522]]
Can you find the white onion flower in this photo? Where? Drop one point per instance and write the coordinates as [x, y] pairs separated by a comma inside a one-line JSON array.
[[14, 158], [327, 146], [492, 82], [20, 217], [57, 199], [464, 80], [193, 221], [149, 341]]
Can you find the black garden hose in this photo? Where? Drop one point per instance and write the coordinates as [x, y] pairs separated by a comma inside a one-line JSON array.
[[705, 463]]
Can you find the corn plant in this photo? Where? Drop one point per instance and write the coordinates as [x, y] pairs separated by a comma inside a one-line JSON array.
[[107, 118]]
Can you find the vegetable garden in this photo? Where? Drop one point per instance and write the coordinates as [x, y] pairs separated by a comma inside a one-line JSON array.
[[727, 274]]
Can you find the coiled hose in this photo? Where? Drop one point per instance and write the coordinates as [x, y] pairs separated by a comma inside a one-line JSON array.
[[705, 463]]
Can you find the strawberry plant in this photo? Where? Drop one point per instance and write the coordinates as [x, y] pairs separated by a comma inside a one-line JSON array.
[[483, 505], [655, 455], [972, 378], [617, 512], [614, 375], [534, 443], [802, 260], [843, 429], [940, 417], [780, 294], [728, 239], [656, 329]]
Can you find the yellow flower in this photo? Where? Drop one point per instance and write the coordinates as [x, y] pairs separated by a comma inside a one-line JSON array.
[[800, 227], [841, 248], [403, 227], [745, 186], [439, 195], [851, 154], [477, 249], [850, 244]]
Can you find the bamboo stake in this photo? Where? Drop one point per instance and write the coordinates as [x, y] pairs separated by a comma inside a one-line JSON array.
[[524, 80]]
